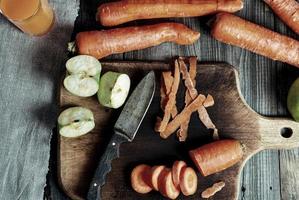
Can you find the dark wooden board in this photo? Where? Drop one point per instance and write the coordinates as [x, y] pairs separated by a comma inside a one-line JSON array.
[[233, 117]]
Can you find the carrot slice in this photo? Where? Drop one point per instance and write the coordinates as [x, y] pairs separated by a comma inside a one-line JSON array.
[[211, 191], [171, 102], [183, 116], [176, 171], [217, 156], [188, 181], [139, 179], [166, 186], [155, 173]]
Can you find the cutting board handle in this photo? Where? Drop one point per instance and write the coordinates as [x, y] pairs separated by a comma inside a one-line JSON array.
[[278, 133]]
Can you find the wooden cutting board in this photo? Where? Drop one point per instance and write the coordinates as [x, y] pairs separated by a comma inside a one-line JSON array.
[[78, 158]]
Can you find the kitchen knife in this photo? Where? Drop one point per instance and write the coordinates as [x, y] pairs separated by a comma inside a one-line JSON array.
[[125, 130]]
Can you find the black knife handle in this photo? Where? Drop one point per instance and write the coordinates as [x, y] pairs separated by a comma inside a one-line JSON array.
[[104, 167]]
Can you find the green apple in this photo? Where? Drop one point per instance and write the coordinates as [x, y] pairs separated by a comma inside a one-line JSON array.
[[114, 89], [293, 100], [75, 121], [83, 74]]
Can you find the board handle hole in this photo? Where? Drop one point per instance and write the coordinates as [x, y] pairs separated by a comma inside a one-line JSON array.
[[286, 132]]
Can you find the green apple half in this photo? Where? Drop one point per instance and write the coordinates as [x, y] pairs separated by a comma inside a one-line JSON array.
[[75, 121], [83, 74], [293, 100], [114, 89]]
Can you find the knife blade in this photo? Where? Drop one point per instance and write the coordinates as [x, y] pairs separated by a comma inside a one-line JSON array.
[[125, 130]]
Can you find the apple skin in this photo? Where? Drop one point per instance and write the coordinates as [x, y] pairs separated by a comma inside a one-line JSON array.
[[114, 89], [293, 100]]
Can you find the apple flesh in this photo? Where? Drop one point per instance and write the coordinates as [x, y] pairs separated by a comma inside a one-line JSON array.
[[293, 100], [75, 122], [83, 75], [114, 89]]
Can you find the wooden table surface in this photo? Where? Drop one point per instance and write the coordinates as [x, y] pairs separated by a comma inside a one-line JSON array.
[[270, 175]]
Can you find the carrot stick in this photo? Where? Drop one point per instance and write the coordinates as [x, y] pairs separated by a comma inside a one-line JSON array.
[[115, 13], [171, 102], [106, 42], [233, 30], [287, 11], [217, 156], [183, 116]]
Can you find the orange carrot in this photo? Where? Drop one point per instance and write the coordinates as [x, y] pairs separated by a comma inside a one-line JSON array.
[[288, 11], [103, 43], [236, 31], [217, 156], [115, 13]]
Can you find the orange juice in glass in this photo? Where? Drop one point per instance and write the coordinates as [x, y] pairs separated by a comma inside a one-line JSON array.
[[35, 17]]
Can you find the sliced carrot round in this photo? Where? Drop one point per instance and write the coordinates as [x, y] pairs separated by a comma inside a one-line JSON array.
[[166, 186], [139, 179], [154, 176], [176, 170], [188, 181]]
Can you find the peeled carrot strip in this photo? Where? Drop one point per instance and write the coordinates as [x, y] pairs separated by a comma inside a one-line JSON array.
[[183, 116], [211, 191], [288, 11], [202, 112], [182, 133], [217, 156], [209, 101], [166, 84], [171, 102]]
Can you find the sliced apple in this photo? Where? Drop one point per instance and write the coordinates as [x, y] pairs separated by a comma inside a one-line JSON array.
[[83, 74], [75, 122], [114, 89]]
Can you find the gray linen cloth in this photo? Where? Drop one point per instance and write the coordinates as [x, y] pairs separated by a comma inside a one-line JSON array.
[[30, 68]]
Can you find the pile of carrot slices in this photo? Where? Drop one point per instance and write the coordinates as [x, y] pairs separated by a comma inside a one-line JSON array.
[[172, 121], [169, 182]]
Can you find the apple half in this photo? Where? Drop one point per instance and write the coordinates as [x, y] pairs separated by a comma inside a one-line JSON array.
[[83, 75], [75, 121], [114, 89]]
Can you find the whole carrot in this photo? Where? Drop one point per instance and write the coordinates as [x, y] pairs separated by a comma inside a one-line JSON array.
[[217, 156], [236, 31], [115, 13], [288, 11], [104, 43]]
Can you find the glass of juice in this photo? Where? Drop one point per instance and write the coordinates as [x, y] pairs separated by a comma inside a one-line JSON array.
[[35, 17]]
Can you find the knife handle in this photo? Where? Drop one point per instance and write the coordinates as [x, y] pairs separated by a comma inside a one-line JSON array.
[[104, 167]]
